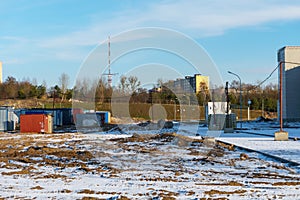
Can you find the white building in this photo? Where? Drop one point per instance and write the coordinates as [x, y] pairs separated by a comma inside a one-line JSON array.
[[290, 58]]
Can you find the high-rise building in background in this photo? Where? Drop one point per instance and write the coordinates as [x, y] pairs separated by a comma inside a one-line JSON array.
[[290, 58], [192, 84]]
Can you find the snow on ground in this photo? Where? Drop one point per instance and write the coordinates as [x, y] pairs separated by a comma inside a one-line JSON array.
[[147, 165], [269, 128], [289, 150]]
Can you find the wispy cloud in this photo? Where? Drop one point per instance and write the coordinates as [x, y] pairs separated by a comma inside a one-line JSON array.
[[215, 17], [13, 39], [14, 61], [194, 17], [200, 18]]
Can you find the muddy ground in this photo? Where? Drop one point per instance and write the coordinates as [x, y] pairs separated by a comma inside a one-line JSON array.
[[152, 166]]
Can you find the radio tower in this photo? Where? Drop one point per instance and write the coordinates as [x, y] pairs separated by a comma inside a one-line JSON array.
[[109, 74]]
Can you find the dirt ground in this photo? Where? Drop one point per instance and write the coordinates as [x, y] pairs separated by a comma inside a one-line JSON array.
[[165, 166]]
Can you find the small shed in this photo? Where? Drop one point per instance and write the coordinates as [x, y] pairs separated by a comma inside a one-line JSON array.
[[87, 120], [106, 116], [8, 119], [57, 117], [93, 119], [36, 123]]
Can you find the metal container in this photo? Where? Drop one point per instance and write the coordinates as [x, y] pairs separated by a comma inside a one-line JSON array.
[[36, 111], [93, 119], [57, 117], [8, 119], [106, 117], [88, 120], [103, 117], [216, 122], [67, 118], [36, 123], [230, 121], [56, 114]]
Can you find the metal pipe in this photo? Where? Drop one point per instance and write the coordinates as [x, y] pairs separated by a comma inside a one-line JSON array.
[[280, 101], [248, 112]]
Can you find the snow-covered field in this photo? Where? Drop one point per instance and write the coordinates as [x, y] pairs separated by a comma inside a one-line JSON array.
[[147, 165]]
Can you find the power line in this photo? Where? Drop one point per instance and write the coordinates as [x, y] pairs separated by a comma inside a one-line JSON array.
[[270, 75]]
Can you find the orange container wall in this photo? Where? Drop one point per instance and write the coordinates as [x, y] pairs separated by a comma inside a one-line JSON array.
[[36, 123]]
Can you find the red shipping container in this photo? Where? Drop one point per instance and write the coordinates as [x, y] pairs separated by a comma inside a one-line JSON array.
[[36, 123]]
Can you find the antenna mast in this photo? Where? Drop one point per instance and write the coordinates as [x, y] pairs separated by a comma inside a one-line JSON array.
[[109, 74]]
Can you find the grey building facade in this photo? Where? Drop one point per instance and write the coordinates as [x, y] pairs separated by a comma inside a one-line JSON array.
[[289, 56]]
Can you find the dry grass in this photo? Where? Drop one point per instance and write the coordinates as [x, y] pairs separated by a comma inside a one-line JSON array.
[[37, 188], [172, 159], [25, 154], [218, 192], [286, 184]]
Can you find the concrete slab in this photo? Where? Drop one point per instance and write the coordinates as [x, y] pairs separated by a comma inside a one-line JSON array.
[[281, 136], [286, 150]]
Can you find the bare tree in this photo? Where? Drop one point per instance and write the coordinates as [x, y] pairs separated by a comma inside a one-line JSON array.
[[64, 82], [100, 91], [134, 83], [123, 86], [235, 85], [11, 87]]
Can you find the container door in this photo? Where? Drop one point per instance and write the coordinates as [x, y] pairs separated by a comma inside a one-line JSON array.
[[3, 120], [50, 124]]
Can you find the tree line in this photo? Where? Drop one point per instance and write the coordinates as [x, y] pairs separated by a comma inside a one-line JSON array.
[[12, 89], [261, 98], [129, 90], [25, 89]]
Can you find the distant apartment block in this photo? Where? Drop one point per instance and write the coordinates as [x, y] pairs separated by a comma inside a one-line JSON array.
[[190, 84], [290, 58]]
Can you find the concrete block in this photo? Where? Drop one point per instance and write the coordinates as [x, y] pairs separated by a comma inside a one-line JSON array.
[[281, 136], [228, 130]]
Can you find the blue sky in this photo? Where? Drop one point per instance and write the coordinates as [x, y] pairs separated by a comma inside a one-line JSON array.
[[43, 39]]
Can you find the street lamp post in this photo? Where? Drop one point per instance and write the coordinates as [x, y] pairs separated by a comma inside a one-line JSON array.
[[249, 103], [241, 121]]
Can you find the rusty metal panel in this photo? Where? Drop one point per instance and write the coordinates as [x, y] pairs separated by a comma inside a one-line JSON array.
[[36, 123]]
